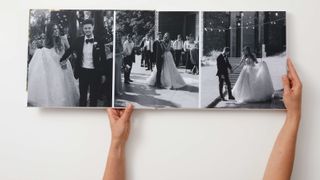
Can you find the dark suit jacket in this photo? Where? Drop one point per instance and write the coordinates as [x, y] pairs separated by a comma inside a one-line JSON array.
[[157, 51], [223, 65], [99, 55]]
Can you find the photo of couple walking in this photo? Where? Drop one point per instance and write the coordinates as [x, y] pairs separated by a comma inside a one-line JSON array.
[[156, 59], [247, 53], [254, 82]]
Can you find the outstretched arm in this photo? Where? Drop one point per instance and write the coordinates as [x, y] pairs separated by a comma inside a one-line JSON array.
[[282, 156], [120, 128]]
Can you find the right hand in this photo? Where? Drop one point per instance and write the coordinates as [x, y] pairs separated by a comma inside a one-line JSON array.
[[292, 95], [120, 124]]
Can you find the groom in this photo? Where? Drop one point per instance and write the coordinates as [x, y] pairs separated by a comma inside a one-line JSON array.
[[90, 64], [158, 56], [223, 65]]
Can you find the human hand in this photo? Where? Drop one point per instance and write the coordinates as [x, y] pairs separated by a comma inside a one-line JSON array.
[[63, 64], [292, 95], [120, 124]]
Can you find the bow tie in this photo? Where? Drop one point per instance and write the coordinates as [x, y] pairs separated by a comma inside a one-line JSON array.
[[89, 40]]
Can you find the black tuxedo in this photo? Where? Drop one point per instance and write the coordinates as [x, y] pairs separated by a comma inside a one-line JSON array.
[[88, 77], [98, 53], [158, 51], [223, 65]]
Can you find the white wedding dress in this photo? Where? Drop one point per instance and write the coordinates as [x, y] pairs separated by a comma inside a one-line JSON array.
[[170, 76], [254, 83], [48, 84]]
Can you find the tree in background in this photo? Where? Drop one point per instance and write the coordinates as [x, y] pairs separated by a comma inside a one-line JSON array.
[[137, 23], [216, 31], [70, 24]]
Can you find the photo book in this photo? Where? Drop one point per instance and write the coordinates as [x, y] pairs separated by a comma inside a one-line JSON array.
[[156, 59]]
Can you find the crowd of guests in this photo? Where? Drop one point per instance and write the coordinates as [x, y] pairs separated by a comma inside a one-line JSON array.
[[186, 53]]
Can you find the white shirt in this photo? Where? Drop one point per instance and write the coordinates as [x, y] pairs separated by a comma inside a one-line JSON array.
[[87, 61], [191, 45], [128, 47], [178, 45], [186, 45], [148, 44]]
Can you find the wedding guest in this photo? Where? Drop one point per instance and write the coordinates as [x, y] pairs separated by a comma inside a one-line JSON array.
[[152, 59], [280, 162], [128, 59], [194, 57], [186, 50], [148, 43], [178, 47], [190, 45], [141, 45]]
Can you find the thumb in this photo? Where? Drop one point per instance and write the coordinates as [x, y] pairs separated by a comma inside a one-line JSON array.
[[286, 84]]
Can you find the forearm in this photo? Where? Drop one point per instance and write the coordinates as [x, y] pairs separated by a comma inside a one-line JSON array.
[[282, 156], [115, 168], [66, 54]]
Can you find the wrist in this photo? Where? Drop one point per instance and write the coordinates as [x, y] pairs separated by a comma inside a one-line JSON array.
[[294, 114], [116, 151], [116, 144], [293, 118]]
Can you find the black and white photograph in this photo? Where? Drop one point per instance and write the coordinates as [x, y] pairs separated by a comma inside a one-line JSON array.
[[70, 57], [157, 59], [244, 57]]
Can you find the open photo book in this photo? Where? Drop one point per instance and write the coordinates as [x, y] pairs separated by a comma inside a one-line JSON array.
[[156, 59]]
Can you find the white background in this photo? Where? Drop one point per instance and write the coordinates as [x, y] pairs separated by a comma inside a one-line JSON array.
[[72, 144]]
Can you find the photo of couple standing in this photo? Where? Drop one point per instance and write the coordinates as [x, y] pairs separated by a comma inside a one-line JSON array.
[[70, 58]]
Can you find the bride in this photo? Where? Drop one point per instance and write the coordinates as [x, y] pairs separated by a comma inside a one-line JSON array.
[[254, 83], [48, 83], [170, 76]]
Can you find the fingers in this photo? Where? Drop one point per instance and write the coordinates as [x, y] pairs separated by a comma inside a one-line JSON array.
[[113, 113], [293, 75], [127, 112], [292, 71], [286, 84]]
